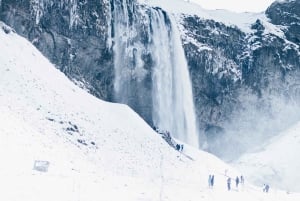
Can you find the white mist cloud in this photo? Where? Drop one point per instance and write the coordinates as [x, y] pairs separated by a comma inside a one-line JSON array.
[[259, 120]]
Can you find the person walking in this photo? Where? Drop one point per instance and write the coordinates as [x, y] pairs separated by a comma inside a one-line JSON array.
[[237, 181], [212, 180], [228, 183], [266, 188], [242, 180], [209, 181]]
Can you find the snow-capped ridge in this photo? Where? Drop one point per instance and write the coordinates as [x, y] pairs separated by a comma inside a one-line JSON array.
[[284, 1], [241, 20]]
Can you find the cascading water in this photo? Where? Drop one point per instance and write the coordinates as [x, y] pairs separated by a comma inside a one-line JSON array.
[[171, 92], [129, 67]]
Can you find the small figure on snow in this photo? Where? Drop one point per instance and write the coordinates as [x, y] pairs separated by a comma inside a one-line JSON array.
[[228, 183], [237, 181], [266, 188], [242, 180], [212, 180]]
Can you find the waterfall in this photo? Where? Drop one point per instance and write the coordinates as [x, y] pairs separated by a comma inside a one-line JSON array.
[[172, 89], [170, 95], [129, 67]]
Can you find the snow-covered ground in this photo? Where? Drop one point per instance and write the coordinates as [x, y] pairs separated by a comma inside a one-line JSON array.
[[96, 150], [277, 161]]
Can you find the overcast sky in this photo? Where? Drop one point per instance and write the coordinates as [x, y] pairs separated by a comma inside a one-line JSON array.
[[236, 5]]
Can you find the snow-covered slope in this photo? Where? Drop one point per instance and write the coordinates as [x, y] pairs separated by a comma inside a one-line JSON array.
[[96, 150], [276, 162], [241, 20]]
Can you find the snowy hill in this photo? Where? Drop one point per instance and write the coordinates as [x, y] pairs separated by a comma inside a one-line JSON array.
[[96, 150], [241, 20], [276, 162]]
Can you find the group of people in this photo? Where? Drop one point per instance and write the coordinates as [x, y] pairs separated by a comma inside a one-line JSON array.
[[179, 147], [168, 138], [238, 180]]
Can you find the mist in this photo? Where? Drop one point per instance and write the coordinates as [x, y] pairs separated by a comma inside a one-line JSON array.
[[255, 121]]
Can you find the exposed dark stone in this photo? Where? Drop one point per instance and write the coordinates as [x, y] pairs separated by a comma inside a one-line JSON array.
[[286, 13], [266, 64], [76, 44]]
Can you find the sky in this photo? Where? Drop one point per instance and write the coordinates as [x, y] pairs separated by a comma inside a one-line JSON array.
[[234, 5]]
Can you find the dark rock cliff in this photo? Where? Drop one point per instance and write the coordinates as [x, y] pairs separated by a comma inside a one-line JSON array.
[[72, 34], [245, 84], [287, 14]]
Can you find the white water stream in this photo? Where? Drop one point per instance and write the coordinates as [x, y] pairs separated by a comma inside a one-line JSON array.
[[172, 97]]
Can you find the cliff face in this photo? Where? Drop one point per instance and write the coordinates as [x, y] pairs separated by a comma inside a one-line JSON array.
[[73, 34], [245, 83], [286, 13]]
